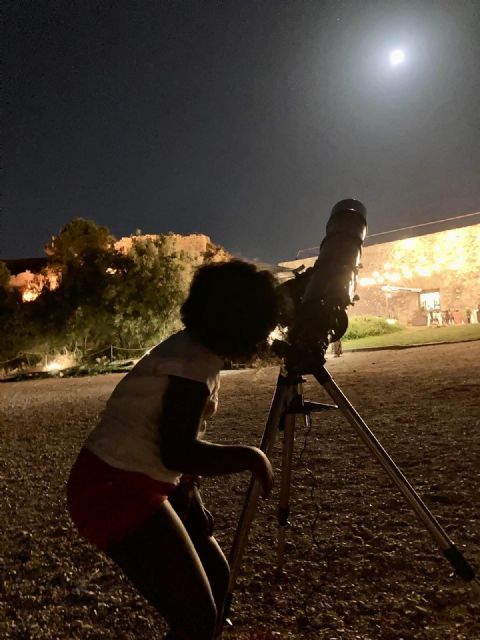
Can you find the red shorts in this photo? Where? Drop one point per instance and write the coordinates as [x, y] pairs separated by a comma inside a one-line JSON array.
[[106, 504]]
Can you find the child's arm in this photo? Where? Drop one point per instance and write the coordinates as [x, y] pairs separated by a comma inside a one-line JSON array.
[[181, 450]]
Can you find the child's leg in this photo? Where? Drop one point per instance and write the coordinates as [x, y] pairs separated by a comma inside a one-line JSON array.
[[189, 507], [161, 561], [215, 565]]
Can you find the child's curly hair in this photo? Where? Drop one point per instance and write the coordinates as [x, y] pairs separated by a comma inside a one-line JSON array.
[[231, 308]]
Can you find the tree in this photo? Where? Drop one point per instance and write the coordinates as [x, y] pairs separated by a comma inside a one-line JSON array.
[[76, 242], [10, 316], [74, 313], [103, 296], [80, 312], [5, 277], [147, 295]]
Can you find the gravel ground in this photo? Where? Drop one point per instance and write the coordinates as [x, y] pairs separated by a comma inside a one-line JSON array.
[[358, 563]]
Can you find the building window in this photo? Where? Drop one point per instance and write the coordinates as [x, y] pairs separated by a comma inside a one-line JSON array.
[[430, 300]]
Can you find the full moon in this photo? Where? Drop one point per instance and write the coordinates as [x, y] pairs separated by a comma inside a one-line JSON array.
[[397, 56]]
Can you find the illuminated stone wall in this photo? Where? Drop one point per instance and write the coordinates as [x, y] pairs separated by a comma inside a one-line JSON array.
[[195, 244], [446, 261], [31, 284]]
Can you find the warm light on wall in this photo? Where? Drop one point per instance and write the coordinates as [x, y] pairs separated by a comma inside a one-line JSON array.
[[31, 285], [453, 235], [29, 295], [393, 277], [423, 271], [52, 366], [366, 282], [421, 257]]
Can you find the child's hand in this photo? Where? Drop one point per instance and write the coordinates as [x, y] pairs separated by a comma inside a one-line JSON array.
[[200, 517], [262, 470]]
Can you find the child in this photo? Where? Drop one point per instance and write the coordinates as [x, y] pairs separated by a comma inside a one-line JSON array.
[[133, 490]]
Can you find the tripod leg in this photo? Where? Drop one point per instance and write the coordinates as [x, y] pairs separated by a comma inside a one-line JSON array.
[[451, 552], [284, 501], [280, 401]]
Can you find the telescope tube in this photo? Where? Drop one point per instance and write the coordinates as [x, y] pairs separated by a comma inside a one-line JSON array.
[[330, 289]]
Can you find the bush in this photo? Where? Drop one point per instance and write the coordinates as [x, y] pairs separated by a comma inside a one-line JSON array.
[[363, 326]]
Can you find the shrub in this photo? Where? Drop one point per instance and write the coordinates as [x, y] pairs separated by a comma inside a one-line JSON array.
[[363, 326]]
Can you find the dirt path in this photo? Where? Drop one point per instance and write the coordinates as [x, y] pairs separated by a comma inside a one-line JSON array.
[[359, 565]]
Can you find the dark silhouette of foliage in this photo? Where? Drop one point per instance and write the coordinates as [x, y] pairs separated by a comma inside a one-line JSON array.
[[76, 242], [5, 276], [10, 315], [104, 296]]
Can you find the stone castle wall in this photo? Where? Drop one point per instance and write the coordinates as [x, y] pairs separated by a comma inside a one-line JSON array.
[[394, 274], [196, 245]]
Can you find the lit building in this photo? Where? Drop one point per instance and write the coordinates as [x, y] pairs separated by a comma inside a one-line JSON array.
[[409, 272]]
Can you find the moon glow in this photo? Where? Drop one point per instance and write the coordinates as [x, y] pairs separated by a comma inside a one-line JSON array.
[[396, 57]]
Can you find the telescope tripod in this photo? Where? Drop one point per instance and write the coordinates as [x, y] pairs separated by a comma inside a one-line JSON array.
[[287, 403], [297, 407]]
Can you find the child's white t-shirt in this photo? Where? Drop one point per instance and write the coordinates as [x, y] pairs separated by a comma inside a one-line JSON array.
[[127, 435]]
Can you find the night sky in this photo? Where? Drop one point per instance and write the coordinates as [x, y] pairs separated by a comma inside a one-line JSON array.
[[242, 120]]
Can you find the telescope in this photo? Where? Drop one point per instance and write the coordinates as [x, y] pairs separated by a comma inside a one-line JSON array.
[[314, 303], [313, 315]]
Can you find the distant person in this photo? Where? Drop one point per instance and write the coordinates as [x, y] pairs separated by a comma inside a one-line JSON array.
[[133, 490], [337, 348], [468, 313], [432, 318], [457, 317]]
